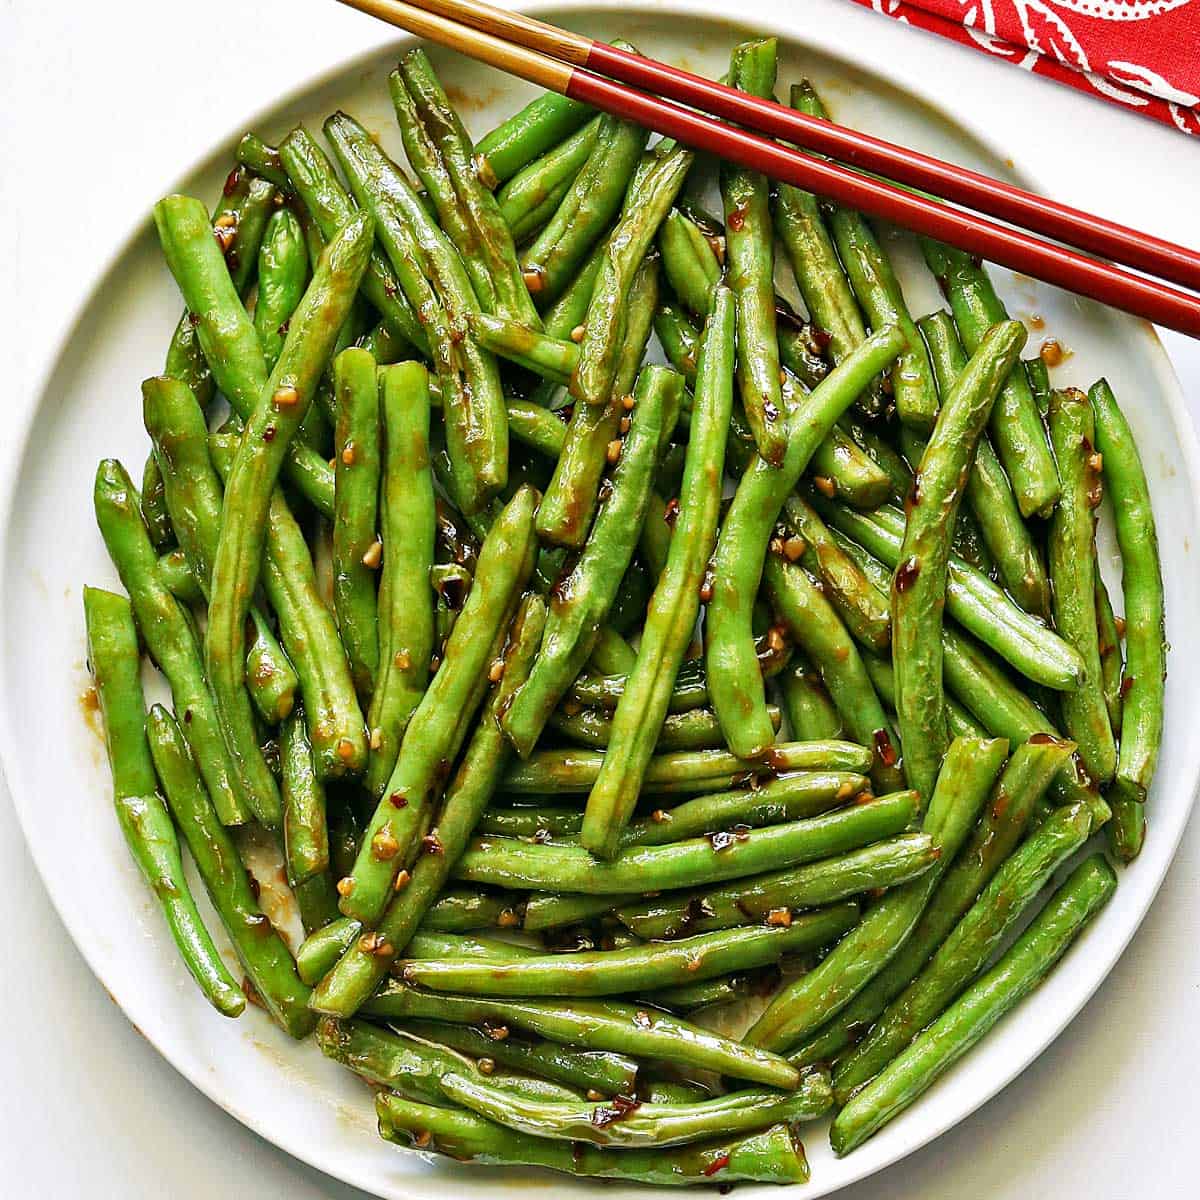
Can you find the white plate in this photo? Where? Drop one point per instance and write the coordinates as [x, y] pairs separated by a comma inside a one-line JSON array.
[[89, 407]]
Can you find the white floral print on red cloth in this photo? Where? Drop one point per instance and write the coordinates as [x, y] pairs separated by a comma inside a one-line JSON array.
[[1143, 54]]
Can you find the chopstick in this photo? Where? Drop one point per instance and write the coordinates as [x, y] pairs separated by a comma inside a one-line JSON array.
[[946, 180], [1013, 248]]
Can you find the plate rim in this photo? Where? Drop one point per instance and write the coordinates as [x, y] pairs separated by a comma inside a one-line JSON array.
[[770, 21]]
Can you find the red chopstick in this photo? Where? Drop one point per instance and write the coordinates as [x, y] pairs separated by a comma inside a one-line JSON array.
[[1021, 251], [957, 184]]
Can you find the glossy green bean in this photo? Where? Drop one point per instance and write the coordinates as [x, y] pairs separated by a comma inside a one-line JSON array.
[[529, 199], [115, 665], [531, 131], [305, 835]]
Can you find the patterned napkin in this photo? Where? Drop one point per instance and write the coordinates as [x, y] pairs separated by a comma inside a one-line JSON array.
[[1143, 54]]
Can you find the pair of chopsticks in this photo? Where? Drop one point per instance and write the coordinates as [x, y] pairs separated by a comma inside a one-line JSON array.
[[686, 107]]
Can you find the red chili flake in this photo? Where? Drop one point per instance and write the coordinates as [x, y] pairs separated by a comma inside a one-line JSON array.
[[231, 181], [672, 511], [399, 800], [432, 844], [1126, 686], [884, 748], [822, 337], [736, 220], [1041, 738], [621, 1106], [193, 319], [269, 433], [906, 574], [718, 1164], [187, 716]]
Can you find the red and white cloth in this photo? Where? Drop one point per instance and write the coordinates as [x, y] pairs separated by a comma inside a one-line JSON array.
[[1143, 54]]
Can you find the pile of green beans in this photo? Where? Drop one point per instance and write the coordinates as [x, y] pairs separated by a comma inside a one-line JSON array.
[[629, 826]]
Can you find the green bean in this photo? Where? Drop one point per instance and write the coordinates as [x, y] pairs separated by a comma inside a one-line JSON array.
[[972, 599], [551, 772], [810, 710], [282, 274], [532, 820], [1072, 557], [605, 691], [405, 602], [1006, 816], [588, 207], [676, 601], [529, 199], [749, 247], [168, 634], [686, 863], [1145, 641], [249, 490], [519, 139], [968, 771], [551, 358], [689, 262], [567, 509], [154, 506], [1005, 711], [537, 427], [582, 599], [177, 576], [919, 585], [552, 910], [1016, 425], [800, 346], [967, 947], [814, 625], [442, 155], [355, 498], [226, 334], [1038, 375], [733, 678], [145, 824], [459, 910], [883, 454], [633, 595], [776, 897], [365, 963], [606, 323], [774, 1155], [612, 972], [858, 603], [989, 494], [726, 989], [433, 278], [788, 798], [1024, 965], [883, 679], [679, 338], [305, 836], [647, 1124], [438, 726], [607, 1074], [192, 492], [332, 715], [1112, 665], [818, 272], [608, 1027], [260, 949], [695, 730], [874, 283], [331, 206], [414, 1066]]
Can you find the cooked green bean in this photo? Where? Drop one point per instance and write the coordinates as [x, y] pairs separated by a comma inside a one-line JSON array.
[[438, 726], [989, 494], [529, 199], [408, 519], [605, 691], [260, 949], [1145, 640], [734, 681], [365, 963], [1072, 557], [1016, 425], [1022, 967], [773, 1156], [687, 863], [459, 910], [676, 600], [519, 139], [115, 666], [356, 495], [919, 585], [1112, 665], [698, 729], [305, 835], [582, 598], [1006, 816], [648, 1124], [613, 972], [749, 247], [968, 771], [689, 262], [282, 274], [810, 710]]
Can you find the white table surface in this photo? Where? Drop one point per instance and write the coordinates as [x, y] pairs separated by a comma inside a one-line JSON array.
[[101, 106]]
